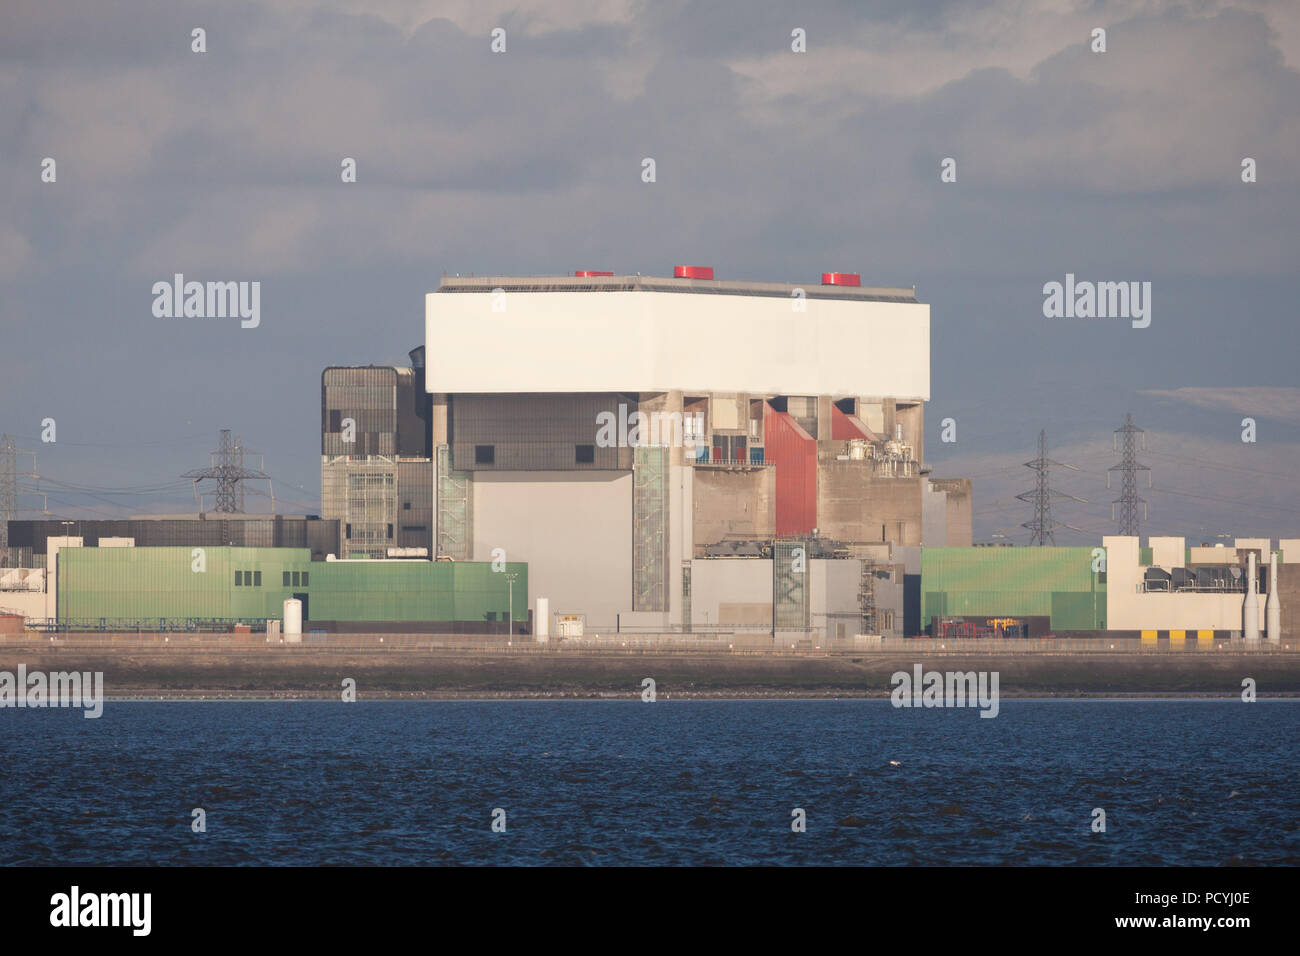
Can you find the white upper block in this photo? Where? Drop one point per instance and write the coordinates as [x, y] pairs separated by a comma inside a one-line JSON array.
[[640, 341]]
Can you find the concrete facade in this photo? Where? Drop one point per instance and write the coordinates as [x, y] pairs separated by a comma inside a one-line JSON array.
[[573, 530], [643, 335], [1131, 607], [735, 504], [780, 422], [947, 513], [853, 505], [731, 593]]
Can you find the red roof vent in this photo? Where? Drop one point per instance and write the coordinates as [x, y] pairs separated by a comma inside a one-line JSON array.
[[588, 273], [841, 278], [693, 272]]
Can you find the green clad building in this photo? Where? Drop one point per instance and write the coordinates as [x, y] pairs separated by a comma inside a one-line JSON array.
[[165, 587], [1056, 584]]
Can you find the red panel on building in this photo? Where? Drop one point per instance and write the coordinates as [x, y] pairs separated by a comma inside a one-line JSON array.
[[588, 273], [841, 278], [693, 272], [845, 427], [795, 453]]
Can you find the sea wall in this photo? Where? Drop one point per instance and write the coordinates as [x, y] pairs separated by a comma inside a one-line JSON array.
[[251, 669]]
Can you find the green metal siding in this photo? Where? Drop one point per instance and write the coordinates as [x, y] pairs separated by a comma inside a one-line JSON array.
[[151, 583], [145, 583], [1013, 582], [415, 591]]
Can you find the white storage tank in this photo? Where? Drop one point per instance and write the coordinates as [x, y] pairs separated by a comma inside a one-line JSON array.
[[292, 621], [542, 620]]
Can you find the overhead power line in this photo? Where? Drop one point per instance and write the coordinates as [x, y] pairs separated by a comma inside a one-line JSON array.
[[1042, 526], [1128, 468]]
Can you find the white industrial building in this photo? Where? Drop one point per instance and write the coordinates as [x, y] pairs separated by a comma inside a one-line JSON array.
[[791, 413], [1246, 589]]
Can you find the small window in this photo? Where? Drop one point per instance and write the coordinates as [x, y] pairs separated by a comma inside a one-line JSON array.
[[414, 528], [304, 579], [347, 533], [257, 579], [286, 579], [239, 579], [295, 579], [336, 420], [406, 506], [485, 454], [390, 532], [585, 454]]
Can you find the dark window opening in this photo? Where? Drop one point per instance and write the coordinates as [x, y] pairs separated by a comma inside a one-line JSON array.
[[485, 454], [585, 454], [414, 527], [257, 579], [336, 420], [296, 582], [286, 579], [406, 506], [304, 578], [846, 405], [390, 531], [239, 579]]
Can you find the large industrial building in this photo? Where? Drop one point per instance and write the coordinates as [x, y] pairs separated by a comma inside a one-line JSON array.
[[182, 576], [376, 469], [628, 454], [1166, 589], [674, 454], [166, 588]]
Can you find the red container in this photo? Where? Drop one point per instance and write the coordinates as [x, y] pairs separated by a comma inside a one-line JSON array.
[[693, 272], [841, 278], [588, 273], [795, 453]]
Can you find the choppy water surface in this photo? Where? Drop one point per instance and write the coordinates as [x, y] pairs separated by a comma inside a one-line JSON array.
[[673, 782]]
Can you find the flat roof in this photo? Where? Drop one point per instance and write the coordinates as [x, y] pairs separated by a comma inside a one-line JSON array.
[[639, 283], [212, 516]]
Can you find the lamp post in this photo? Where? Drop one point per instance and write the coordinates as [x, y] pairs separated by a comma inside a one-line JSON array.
[[510, 611], [67, 543]]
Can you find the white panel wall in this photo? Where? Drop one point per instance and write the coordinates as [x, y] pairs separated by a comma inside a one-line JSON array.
[[1128, 609], [717, 581], [573, 528], [657, 341], [1167, 552]]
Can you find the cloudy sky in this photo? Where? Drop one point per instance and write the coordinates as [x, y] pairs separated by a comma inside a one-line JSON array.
[[771, 165]]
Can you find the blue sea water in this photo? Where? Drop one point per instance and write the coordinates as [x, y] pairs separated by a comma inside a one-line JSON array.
[[673, 782]]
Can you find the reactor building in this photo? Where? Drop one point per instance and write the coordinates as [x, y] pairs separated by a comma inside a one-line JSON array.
[[676, 454]]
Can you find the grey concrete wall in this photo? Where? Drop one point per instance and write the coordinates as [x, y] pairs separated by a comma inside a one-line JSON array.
[[852, 505], [743, 585], [574, 530], [934, 517], [734, 504], [947, 513], [835, 597]]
